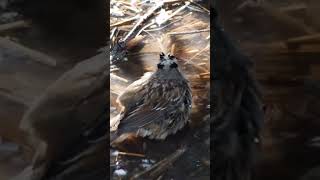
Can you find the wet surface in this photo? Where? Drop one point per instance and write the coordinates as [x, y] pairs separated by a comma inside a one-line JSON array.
[[194, 163]]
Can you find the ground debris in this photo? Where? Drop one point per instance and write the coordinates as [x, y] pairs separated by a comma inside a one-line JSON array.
[[159, 168]]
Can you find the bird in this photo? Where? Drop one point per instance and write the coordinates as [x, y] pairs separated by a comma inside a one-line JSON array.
[[156, 105]]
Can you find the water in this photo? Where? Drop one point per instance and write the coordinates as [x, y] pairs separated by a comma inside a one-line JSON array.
[[195, 162]]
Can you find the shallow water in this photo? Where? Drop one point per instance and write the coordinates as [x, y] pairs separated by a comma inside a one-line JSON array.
[[195, 162]]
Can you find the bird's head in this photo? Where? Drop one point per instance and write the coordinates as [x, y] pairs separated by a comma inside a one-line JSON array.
[[167, 62], [168, 68]]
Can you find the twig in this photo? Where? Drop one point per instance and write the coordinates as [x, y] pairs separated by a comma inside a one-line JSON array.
[[189, 32], [204, 74], [114, 70], [193, 51], [165, 2], [124, 3], [190, 26], [133, 9], [114, 93], [173, 1], [162, 27], [126, 21], [118, 78], [141, 20], [13, 25], [113, 32], [131, 154], [15, 99], [293, 8], [202, 64], [145, 27], [25, 51], [176, 12], [202, 69], [298, 41], [196, 9], [204, 49]]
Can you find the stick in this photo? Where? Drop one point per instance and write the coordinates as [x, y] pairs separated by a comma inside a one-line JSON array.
[[114, 70], [204, 74], [114, 93], [162, 27], [294, 8], [15, 99], [309, 39], [125, 22], [131, 154], [25, 51], [166, 2], [145, 27], [13, 25], [129, 7], [113, 32], [141, 20], [201, 69], [118, 78], [189, 32], [206, 48], [175, 13]]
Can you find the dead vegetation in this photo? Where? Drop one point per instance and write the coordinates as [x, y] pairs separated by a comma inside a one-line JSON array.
[[140, 31]]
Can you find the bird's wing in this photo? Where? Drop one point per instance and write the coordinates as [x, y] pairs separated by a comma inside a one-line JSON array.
[[130, 97], [160, 115], [154, 123], [141, 117], [134, 91]]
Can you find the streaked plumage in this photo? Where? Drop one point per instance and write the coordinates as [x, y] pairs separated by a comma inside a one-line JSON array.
[[155, 106]]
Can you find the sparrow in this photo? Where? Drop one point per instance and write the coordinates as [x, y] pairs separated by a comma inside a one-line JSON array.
[[156, 105]]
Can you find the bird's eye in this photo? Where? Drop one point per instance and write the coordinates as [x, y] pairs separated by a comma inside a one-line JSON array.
[[161, 55], [170, 57], [160, 66], [174, 65]]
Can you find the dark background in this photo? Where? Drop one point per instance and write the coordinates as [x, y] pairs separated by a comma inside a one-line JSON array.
[[69, 31], [289, 76]]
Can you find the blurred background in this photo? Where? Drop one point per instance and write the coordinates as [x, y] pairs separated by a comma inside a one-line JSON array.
[[283, 40], [39, 41]]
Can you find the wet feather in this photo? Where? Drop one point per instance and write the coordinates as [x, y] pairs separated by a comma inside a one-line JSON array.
[[156, 105]]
